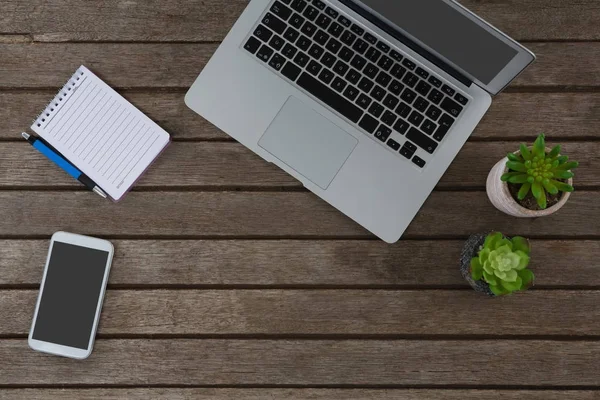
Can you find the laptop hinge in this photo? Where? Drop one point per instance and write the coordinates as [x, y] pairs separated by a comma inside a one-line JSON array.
[[389, 29]]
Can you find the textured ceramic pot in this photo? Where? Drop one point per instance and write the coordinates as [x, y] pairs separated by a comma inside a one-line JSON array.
[[500, 196], [470, 250]]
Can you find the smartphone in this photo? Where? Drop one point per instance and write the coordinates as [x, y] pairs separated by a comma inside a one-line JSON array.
[[68, 306]]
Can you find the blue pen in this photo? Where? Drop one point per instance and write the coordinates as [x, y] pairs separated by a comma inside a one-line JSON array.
[[69, 168]]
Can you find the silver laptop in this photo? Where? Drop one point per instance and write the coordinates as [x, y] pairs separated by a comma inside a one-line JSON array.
[[366, 102]]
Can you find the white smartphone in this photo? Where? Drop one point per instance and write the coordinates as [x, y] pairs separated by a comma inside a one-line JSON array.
[[68, 306]]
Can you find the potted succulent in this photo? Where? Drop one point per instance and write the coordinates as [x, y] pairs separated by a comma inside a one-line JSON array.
[[497, 265], [531, 182]]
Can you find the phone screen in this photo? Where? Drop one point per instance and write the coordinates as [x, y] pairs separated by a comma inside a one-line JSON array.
[[70, 295]]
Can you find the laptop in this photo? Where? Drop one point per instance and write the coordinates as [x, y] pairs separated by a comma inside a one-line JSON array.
[[366, 102]]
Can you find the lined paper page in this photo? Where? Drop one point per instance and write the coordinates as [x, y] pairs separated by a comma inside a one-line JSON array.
[[101, 133]]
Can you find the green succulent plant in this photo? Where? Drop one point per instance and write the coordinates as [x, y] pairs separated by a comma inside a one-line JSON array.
[[502, 264], [539, 172]]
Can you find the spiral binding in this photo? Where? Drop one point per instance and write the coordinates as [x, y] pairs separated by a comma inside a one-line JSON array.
[[67, 90]]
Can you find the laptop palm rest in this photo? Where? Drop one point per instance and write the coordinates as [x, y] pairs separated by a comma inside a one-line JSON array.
[[308, 142]]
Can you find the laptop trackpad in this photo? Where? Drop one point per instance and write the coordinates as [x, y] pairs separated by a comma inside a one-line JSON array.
[[308, 142]]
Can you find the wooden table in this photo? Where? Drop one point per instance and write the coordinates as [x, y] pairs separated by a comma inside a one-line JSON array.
[[231, 281]]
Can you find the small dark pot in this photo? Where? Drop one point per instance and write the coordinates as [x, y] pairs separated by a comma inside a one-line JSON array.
[[472, 247]]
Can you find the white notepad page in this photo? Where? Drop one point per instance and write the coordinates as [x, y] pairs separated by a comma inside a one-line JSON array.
[[101, 133]]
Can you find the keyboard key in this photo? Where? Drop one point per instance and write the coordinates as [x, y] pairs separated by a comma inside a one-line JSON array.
[[328, 60], [316, 51], [371, 71], [445, 123], [348, 38], [421, 104], [408, 150], [333, 46], [321, 37], [428, 126], [326, 76], [408, 95], [353, 76], [418, 161], [276, 42], [281, 10], [329, 97], [365, 85], [263, 33], [368, 123], [391, 101], [396, 56], [410, 79], [396, 87], [291, 71], [311, 13], [378, 93], [373, 54], [360, 46], [370, 38], [448, 90], [409, 64], [403, 110], [389, 118], [357, 29], [291, 34], [338, 84], [319, 4], [385, 63], [358, 62], [383, 79], [351, 92], [298, 5], [376, 110], [331, 12], [401, 126], [398, 71], [461, 99], [363, 101], [308, 29], [345, 21], [421, 140], [422, 73], [415, 118], [264, 53], [435, 81], [435, 96], [383, 133], [296, 21], [433, 112], [451, 107], [341, 68], [314, 67], [277, 62], [287, 1], [346, 54], [393, 144], [303, 43], [423, 88], [271, 21], [252, 45], [301, 59], [383, 47], [335, 29], [323, 21]]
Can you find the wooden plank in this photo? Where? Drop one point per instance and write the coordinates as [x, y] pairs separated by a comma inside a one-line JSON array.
[[250, 214], [313, 362], [326, 312], [50, 65], [292, 394], [210, 20], [512, 115], [301, 263], [226, 165]]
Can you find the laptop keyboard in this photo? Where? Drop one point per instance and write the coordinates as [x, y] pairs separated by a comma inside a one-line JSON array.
[[382, 91]]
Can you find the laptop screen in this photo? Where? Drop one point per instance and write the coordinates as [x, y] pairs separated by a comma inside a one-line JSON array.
[[450, 33]]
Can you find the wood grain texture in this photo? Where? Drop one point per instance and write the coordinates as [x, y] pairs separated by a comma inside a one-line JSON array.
[[314, 362], [176, 65], [227, 165], [327, 312], [183, 20], [250, 214], [301, 263], [292, 394]]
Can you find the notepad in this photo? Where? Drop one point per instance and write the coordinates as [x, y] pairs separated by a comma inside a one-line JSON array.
[[101, 133]]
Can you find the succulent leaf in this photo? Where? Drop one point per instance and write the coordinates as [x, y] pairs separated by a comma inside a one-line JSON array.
[[519, 178], [520, 244], [516, 166], [563, 187], [524, 191], [514, 157], [527, 277], [525, 153], [539, 146], [555, 152], [476, 269]]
